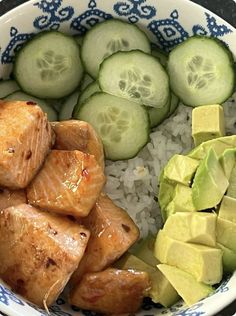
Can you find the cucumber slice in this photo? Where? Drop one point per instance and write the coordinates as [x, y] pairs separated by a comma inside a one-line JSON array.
[[174, 103], [49, 65], [87, 79], [157, 116], [160, 55], [136, 76], [201, 71], [68, 106], [122, 125], [79, 39], [8, 87], [108, 37], [21, 96]]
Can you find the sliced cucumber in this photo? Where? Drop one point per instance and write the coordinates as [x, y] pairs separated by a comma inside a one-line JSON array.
[[21, 96], [157, 116], [136, 76], [49, 65], [87, 79], [174, 103], [8, 87], [109, 37], [162, 56], [122, 125], [201, 71], [68, 106], [79, 39]]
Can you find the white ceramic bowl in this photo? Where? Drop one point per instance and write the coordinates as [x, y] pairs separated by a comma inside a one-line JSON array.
[[167, 23]]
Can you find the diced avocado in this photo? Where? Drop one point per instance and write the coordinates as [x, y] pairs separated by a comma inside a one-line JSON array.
[[228, 209], [165, 195], [229, 259], [197, 260], [226, 233], [180, 169], [207, 123], [145, 251], [219, 145], [199, 228], [185, 284], [232, 184], [209, 183], [161, 290], [227, 161]]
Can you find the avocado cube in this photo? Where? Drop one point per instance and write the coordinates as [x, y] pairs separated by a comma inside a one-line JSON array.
[[161, 290], [229, 259], [209, 183], [226, 233], [145, 250], [228, 209], [207, 123], [227, 161], [185, 284], [196, 227], [231, 192], [198, 260], [165, 195], [180, 169], [219, 145]]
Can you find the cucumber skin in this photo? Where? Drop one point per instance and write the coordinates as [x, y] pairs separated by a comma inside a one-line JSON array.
[[227, 51], [148, 129], [36, 36]]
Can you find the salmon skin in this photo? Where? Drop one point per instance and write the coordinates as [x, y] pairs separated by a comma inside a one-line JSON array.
[[78, 135], [39, 251], [111, 291], [113, 232], [69, 183], [11, 198], [25, 139]]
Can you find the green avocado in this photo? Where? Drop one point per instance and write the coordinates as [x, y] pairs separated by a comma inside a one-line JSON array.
[[145, 251], [197, 227], [185, 284], [180, 169], [226, 233], [232, 184], [227, 161], [165, 195], [219, 145], [229, 259], [197, 260], [209, 183], [228, 209], [161, 290]]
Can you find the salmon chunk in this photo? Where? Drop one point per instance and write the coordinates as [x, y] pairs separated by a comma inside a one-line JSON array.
[[78, 135], [111, 291], [11, 198], [25, 139], [39, 252], [112, 234], [69, 183]]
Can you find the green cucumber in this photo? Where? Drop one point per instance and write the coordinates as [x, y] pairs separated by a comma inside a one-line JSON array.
[[67, 107], [122, 125], [8, 87], [87, 79], [157, 116], [174, 103], [160, 55]]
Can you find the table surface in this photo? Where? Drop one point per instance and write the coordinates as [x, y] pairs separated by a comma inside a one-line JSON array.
[[224, 8]]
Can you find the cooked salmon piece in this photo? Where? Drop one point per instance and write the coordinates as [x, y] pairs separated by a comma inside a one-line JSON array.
[[112, 234], [111, 291], [78, 135], [25, 139], [11, 198], [39, 251], [69, 183]]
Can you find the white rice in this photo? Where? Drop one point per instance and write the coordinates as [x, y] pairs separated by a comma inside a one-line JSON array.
[[133, 184]]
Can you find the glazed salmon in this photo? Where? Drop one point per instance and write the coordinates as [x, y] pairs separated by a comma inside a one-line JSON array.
[[112, 234], [69, 183], [25, 139], [11, 198], [38, 252], [111, 291], [78, 135]]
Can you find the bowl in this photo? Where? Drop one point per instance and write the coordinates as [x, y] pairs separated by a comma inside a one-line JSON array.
[[167, 23]]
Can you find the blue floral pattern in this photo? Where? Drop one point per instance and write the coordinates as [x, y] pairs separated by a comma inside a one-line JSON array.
[[89, 18], [7, 295], [134, 10]]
